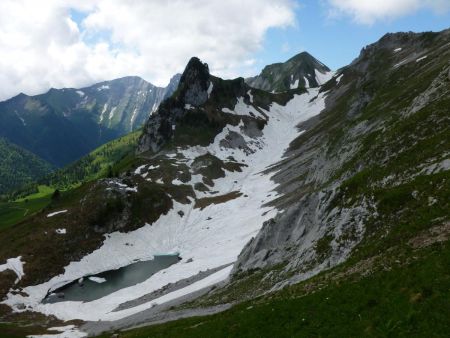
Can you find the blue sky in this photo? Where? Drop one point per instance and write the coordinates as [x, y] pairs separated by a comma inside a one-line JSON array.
[[337, 41]]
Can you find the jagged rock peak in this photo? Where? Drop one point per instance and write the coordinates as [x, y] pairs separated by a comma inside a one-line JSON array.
[[195, 71], [194, 82], [193, 91]]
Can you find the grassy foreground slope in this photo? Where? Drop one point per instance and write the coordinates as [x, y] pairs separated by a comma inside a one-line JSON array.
[[404, 299]]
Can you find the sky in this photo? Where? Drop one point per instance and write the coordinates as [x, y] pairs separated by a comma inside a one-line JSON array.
[[76, 43]]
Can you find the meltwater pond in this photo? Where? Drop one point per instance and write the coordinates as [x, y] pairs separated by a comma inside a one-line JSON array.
[[97, 286]]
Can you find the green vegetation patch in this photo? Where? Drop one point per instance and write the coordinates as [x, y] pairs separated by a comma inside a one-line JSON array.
[[410, 300]]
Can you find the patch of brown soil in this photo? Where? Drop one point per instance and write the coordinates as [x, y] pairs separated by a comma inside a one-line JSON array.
[[202, 203]]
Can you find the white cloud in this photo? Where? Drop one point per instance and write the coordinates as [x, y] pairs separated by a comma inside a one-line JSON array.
[[42, 46], [370, 11]]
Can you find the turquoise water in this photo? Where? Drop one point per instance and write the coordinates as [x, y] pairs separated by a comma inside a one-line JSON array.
[[115, 280]]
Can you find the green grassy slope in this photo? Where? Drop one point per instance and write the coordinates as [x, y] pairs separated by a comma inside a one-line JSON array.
[[15, 211], [404, 299], [98, 163], [108, 159], [19, 167]]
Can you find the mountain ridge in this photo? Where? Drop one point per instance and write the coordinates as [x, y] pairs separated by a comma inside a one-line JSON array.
[[62, 125], [288, 201]]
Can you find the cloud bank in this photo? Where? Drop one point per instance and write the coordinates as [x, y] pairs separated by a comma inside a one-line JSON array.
[[56, 43]]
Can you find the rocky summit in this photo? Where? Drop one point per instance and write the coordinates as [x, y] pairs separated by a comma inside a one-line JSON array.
[[300, 200]]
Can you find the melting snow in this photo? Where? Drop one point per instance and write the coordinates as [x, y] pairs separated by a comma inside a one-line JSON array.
[[209, 243], [396, 50], [295, 84], [20, 118], [111, 113], [422, 58], [322, 78], [177, 182], [249, 93], [68, 331], [102, 114], [56, 213], [307, 85], [139, 169], [400, 63], [242, 108], [79, 92], [61, 231], [103, 87], [15, 265], [97, 279], [210, 88], [133, 117], [338, 79]]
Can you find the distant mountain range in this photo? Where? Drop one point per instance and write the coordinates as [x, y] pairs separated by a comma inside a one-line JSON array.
[[51, 130], [63, 125]]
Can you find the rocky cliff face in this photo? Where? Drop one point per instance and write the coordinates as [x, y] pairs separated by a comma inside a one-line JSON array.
[[192, 92], [384, 113], [196, 108]]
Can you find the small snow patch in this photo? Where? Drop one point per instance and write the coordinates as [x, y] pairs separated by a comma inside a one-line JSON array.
[[56, 213], [111, 113], [322, 78], [105, 107], [15, 265], [139, 169], [422, 58], [177, 182], [103, 87], [396, 50], [97, 279], [307, 85], [210, 88], [294, 85], [61, 231], [242, 109], [249, 93], [69, 331]]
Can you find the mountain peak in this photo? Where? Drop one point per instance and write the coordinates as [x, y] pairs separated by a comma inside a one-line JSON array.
[[301, 71], [195, 70], [194, 83], [193, 91]]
